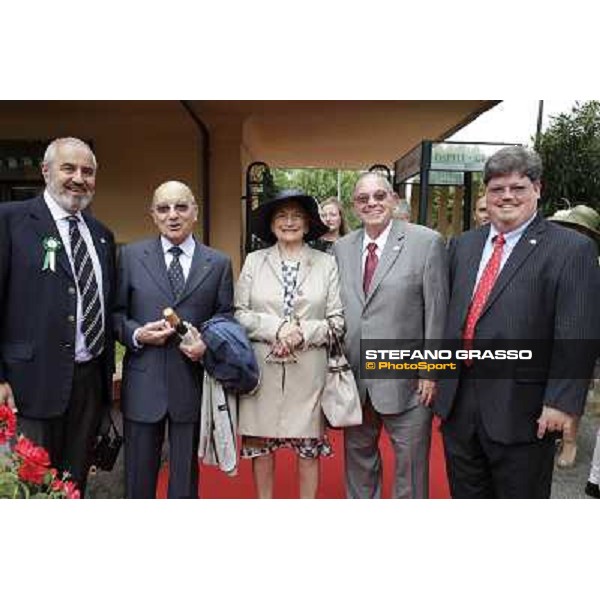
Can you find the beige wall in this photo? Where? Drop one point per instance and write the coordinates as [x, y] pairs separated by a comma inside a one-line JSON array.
[[340, 134], [226, 187], [138, 145]]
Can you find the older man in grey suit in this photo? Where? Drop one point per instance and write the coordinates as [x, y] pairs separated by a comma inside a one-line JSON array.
[[394, 286]]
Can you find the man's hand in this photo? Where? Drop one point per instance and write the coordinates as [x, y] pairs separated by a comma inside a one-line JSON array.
[[192, 345], [155, 333], [553, 419], [6, 396], [426, 390]]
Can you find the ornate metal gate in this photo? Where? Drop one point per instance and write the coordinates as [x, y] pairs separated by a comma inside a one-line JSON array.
[[259, 187]]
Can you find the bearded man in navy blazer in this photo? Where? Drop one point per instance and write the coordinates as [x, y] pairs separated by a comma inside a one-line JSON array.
[[56, 292], [518, 278], [162, 377]]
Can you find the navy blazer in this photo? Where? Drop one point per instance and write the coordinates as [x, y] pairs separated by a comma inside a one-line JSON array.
[[160, 379], [38, 309], [548, 289]]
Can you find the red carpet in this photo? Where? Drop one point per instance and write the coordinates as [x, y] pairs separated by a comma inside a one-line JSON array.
[[215, 484]]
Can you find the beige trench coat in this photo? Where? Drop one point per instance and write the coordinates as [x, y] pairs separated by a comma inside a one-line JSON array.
[[287, 402]]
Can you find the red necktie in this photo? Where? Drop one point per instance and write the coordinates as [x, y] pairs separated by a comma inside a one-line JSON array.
[[486, 283], [370, 266]]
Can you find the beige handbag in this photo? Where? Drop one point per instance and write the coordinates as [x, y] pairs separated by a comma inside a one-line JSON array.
[[340, 400]]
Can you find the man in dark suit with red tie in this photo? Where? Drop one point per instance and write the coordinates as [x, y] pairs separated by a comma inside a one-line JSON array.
[[57, 272], [518, 278]]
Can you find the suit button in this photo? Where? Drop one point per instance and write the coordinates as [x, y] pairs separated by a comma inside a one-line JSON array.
[[72, 290], [71, 319]]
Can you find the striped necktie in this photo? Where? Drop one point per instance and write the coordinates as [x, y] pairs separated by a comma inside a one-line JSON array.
[[91, 309]]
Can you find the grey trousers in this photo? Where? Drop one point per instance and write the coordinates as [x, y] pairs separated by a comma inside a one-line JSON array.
[[410, 434]]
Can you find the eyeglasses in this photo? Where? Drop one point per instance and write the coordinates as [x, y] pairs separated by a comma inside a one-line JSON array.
[[518, 191], [363, 199], [179, 207]]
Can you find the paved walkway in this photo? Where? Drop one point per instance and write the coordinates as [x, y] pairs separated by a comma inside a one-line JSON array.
[[569, 483]]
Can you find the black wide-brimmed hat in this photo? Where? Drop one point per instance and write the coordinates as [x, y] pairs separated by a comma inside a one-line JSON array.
[[261, 216]]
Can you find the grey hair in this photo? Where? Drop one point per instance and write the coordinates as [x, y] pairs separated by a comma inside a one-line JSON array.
[[382, 178], [53, 146], [513, 159]]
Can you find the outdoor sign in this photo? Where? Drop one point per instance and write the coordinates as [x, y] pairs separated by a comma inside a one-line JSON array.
[[449, 162], [408, 166], [454, 157], [443, 178], [461, 157]]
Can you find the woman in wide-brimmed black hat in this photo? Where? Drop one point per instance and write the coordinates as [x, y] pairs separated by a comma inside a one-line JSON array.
[[287, 298]]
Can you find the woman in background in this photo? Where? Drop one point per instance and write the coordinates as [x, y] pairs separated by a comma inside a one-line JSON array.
[[333, 217]]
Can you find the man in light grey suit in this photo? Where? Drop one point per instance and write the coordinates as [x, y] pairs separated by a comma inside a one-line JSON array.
[[394, 286]]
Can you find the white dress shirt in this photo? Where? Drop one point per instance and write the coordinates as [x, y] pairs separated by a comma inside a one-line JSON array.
[[510, 241], [380, 241], [185, 258], [61, 218]]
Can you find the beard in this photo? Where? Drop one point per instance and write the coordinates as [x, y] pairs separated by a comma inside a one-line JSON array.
[[68, 201]]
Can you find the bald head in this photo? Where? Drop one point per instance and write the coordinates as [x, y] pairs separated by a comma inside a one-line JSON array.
[[172, 190], [174, 211], [374, 176]]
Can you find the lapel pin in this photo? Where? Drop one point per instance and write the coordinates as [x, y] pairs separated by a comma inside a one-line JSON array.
[[396, 248], [102, 241], [533, 242]]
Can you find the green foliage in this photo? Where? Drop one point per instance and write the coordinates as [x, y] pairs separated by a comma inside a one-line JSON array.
[[119, 353], [570, 151], [321, 183]]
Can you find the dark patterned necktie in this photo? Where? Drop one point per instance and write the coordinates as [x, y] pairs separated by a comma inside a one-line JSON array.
[[91, 309], [175, 272], [370, 266]]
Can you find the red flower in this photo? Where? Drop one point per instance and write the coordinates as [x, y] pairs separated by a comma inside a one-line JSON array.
[[57, 485], [8, 424], [35, 461], [71, 490]]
